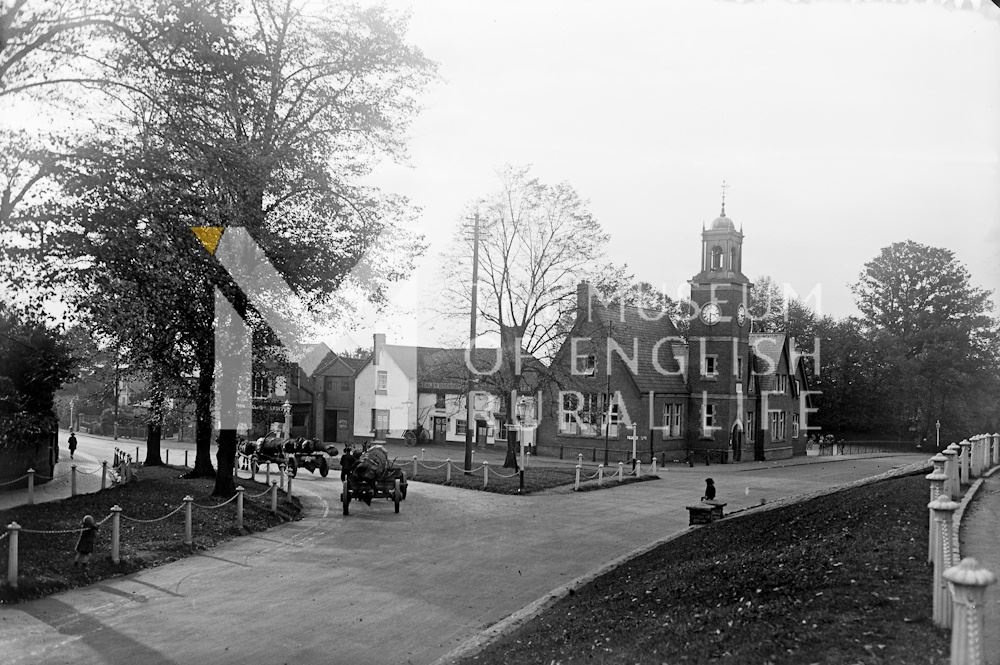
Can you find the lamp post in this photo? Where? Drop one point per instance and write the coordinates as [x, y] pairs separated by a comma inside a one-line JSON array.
[[937, 426], [287, 409], [521, 409]]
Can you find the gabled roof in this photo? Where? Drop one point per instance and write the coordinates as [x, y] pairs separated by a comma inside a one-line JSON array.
[[443, 370]]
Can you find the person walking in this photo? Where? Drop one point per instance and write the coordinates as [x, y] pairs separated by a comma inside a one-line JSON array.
[[72, 444], [85, 544]]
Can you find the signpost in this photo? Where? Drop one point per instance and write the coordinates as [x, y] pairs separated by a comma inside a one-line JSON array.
[[633, 438]]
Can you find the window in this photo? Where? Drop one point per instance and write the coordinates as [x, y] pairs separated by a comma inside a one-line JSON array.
[[711, 367], [460, 426], [739, 367], [795, 425], [798, 388], [777, 425], [587, 365], [263, 385], [582, 416], [382, 381], [751, 425], [380, 420], [708, 418], [439, 401], [345, 385], [501, 432], [782, 383], [671, 421], [716, 258]]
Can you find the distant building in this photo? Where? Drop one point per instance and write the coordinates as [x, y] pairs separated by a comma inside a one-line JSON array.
[[722, 388]]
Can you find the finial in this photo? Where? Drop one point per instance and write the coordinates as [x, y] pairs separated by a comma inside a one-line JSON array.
[[724, 188]]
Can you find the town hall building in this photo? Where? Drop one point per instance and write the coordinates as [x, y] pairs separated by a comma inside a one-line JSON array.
[[720, 391]]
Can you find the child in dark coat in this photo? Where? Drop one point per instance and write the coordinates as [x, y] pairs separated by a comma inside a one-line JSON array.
[[709, 490], [85, 545]]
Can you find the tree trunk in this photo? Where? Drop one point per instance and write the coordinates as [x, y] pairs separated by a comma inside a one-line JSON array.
[[203, 420], [510, 461], [154, 430], [225, 485]]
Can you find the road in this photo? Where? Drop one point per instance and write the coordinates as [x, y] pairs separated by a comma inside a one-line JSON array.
[[377, 587]]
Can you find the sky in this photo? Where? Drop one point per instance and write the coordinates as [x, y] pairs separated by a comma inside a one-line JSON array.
[[839, 127]]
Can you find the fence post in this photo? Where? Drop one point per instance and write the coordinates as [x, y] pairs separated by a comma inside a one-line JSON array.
[[944, 509], [951, 470], [576, 483], [937, 480], [31, 487], [996, 450], [965, 458], [653, 466], [288, 487], [104, 474], [274, 497], [12, 530], [600, 475], [486, 473], [72, 480], [267, 473], [422, 451], [447, 470], [188, 540], [137, 453], [968, 586], [116, 512], [579, 459], [281, 479], [414, 466], [621, 471], [527, 458], [975, 455], [239, 508], [638, 467]]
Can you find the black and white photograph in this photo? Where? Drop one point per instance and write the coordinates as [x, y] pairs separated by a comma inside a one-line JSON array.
[[499, 332]]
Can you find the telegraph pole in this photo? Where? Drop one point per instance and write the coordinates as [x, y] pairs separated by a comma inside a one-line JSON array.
[[469, 423]]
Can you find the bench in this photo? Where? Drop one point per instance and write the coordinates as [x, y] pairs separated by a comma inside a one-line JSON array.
[[705, 512]]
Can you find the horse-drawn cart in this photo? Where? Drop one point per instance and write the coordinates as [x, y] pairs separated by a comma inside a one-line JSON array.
[[290, 454], [372, 476]]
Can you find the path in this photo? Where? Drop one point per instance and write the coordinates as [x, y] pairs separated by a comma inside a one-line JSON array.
[[981, 540], [376, 587]]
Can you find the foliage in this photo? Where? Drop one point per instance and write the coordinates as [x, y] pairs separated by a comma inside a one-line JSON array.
[[34, 363]]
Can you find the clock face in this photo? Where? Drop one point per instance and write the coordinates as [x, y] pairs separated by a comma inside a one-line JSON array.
[[741, 315], [711, 313]]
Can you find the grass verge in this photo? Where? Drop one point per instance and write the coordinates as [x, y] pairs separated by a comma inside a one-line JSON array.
[[536, 478], [838, 579], [45, 560]]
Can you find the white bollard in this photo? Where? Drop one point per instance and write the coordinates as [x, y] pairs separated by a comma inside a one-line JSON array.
[[937, 481], [527, 458], [486, 473], [72, 480], [422, 451], [31, 487], [964, 457], [447, 470], [188, 538], [274, 497], [116, 512], [996, 450], [12, 530], [576, 483], [951, 470], [239, 508], [638, 469], [968, 582], [944, 510], [621, 471], [579, 459], [600, 475], [414, 466], [652, 469], [104, 474]]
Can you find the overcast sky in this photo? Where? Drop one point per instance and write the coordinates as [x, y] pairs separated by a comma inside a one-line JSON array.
[[839, 127]]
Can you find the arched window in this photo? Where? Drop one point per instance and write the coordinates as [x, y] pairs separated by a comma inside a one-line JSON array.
[[717, 258]]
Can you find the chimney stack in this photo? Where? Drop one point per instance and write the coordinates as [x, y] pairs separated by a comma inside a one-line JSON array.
[[583, 299]]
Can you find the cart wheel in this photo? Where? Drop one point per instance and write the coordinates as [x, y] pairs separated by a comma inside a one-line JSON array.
[[292, 464], [324, 467], [410, 438], [397, 495], [404, 492], [345, 497]]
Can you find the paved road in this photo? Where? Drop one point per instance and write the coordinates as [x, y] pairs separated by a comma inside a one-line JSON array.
[[376, 587]]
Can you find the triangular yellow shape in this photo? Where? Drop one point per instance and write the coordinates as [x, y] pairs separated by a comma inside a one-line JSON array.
[[209, 236]]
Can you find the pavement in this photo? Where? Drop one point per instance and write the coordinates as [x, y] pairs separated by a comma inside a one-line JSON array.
[[980, 539], [380, 587]]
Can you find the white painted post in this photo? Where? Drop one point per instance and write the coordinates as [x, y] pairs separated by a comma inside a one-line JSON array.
[[274, 497], [447, 470], [527, 458], [12, 530], [621, 471], [188, 539], [72, 480], [600, 475], [968, 581], [975, 456], [944, 509], [653, 467], [422, 451], [116, 512], [996, 450], [239, 508], [937, 480], [576, 483], [414, 466], [579, 459], [964, 456], [104, 474], [486, 473], [31, 487], [638, 468], [951, 469]]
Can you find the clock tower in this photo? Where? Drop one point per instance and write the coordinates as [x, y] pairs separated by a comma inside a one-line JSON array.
[[718, 341]]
